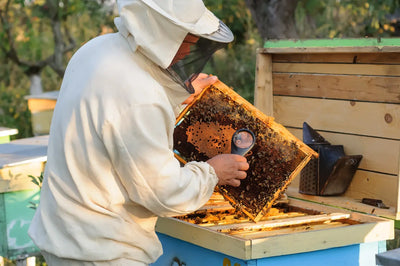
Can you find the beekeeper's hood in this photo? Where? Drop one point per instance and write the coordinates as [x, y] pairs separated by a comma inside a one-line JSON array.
[[157, 29]]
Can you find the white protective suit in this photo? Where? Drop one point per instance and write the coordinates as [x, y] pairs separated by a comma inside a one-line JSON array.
[[111, 170]]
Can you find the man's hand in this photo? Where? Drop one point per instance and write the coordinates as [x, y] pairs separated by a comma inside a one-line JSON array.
[[230, 168], [201, 82]]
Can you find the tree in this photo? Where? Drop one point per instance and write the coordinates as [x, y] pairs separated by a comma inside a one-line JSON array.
[[274, 18], [37, 34], [347, 18], [37, 38], [294, 19], [235, 65]]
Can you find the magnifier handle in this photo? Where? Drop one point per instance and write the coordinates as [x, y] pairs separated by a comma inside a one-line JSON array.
[[239, 151]]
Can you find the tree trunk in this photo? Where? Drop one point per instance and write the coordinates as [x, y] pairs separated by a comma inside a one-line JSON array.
[[36, 84], [274, 18]]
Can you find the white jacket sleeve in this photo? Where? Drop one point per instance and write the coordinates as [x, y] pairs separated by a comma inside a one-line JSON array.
[[139, 144]]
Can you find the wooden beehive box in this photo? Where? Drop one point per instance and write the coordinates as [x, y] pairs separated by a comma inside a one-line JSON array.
[[19, 159], [205, 128], [41, 107], [257, 246], [6, 133], [349, 91]]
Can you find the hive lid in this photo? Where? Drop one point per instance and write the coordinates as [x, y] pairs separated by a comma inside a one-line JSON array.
[[23, 151], [204, 129]]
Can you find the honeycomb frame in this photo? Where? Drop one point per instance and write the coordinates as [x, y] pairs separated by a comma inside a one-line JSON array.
[[204, 129]]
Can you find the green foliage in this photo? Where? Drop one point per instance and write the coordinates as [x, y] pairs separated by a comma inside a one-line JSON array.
[[235, 66], [31, 25], [345, 18], [37, 180], [14, 111], [235, 14]]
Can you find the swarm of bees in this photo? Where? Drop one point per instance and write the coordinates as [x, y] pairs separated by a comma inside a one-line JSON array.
[[205, 129]]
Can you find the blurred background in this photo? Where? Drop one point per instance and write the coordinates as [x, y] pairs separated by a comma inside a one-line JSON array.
[[38, 37]]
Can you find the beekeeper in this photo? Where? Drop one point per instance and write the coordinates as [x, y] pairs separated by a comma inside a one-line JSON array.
[[111, 169]]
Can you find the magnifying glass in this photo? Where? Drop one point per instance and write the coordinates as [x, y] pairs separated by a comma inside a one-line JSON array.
[[242, 141]]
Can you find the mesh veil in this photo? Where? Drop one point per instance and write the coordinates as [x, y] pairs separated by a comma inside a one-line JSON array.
[[187, 69]]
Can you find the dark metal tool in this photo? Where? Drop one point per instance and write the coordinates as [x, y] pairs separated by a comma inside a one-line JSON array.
[[332, 172], [374, 202]]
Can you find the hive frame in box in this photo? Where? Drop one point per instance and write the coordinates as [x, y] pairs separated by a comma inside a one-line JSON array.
[[280, 155], [370, 229]]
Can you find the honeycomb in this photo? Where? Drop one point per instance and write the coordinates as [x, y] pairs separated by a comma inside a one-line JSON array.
[[205, 128]]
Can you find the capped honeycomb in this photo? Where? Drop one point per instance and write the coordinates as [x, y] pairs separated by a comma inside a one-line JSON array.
[[205, 128]]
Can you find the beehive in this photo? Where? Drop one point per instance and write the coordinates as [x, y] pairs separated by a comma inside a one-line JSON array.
[[348, 90], [205, 128], [41, 107], [19, 160]]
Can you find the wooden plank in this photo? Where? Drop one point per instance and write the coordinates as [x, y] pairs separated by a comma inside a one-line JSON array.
[[380, 155], [19, 159], [362, 88], [338, 69], [373, 229], [345, 202], [336, 44], [322, 50], [43, 101], [350, 58], [371, 119], [398, 188], [23, 151], [205, 237], [284, 231], [16, 178], [367, 184], [41, 122], [323, 205], [283, 222], [4, 131], [38, 105], [295, 182], [321, 239], [263, 84]]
